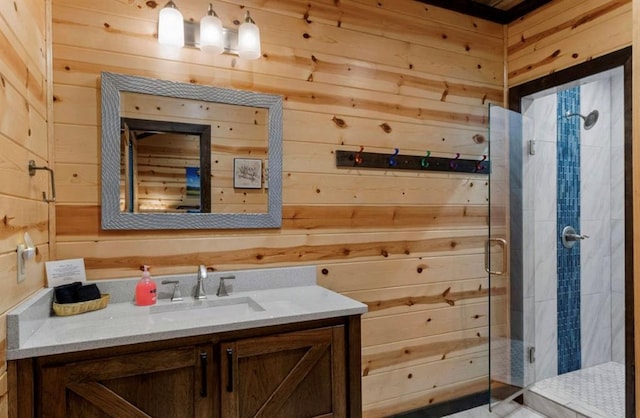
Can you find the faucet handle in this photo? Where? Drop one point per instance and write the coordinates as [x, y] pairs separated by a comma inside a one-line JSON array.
[[222, 289], [175, 296], [202, 271]]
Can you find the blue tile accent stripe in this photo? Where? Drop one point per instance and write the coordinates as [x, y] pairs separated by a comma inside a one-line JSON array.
[[568, 190]]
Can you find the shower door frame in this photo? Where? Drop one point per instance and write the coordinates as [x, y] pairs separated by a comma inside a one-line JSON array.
[[620, 58]]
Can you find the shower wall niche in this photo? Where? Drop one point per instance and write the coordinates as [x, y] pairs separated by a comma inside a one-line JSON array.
[[594, 324]]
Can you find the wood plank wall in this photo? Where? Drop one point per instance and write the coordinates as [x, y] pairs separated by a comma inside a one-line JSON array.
[[356, 72], [564, 33], [23, 137]]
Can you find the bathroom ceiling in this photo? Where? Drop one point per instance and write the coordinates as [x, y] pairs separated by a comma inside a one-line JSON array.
[[500, 11]]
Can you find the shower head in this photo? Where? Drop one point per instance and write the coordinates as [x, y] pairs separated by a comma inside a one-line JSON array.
[[589, 120]]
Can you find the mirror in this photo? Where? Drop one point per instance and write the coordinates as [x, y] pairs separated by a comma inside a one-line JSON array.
[[185, 156]]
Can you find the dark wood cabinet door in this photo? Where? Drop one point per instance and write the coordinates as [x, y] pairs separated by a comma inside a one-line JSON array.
[[290, 375], [166, 383]]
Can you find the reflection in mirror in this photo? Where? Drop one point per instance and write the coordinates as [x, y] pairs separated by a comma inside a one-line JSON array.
[[182, 156], [165, 167]]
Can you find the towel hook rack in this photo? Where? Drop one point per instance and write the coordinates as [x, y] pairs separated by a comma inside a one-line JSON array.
[[32, 172]]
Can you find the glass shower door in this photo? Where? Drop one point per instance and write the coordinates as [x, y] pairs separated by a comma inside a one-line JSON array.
[[511, 298]]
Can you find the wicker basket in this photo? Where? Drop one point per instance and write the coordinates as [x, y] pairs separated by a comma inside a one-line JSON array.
[[67, 309]]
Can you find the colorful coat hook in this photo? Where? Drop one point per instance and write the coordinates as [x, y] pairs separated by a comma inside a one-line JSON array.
[[392, 159], [424, 163], [385, 161], [480, 166], [358, 156], [453, 164]]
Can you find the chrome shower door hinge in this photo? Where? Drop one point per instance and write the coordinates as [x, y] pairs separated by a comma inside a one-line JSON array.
[[532, 147], [532, 354]]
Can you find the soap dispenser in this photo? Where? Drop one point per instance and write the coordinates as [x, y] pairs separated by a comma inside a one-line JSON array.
[[146, 291]]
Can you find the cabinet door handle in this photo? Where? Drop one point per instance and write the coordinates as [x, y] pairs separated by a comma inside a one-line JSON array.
[[229, 369], [203, 375]]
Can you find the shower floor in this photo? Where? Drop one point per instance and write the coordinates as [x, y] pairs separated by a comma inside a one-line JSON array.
[[595, 392]]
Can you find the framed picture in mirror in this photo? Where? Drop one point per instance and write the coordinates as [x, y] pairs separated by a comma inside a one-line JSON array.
[[247, 173]]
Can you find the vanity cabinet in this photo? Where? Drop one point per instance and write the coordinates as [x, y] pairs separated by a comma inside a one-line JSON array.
[[164, 383], [309, 369], [297, 374]]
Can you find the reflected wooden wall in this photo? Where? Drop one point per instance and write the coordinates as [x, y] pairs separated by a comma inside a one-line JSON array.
[[358, 72]]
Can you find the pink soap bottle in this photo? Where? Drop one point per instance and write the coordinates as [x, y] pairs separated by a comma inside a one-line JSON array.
[[146, 291]]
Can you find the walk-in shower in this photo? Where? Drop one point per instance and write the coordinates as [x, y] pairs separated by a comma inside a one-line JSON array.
[[563, 316]]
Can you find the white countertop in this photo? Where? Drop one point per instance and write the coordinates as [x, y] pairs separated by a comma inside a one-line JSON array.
[[122, 322]]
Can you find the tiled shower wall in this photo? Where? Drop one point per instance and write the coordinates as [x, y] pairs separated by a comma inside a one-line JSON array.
[[602, 218]]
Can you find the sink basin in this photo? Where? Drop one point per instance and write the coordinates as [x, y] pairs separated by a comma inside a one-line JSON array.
[[237, 304]]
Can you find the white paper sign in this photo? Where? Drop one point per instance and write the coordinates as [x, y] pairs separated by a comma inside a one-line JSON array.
[[65, 272]]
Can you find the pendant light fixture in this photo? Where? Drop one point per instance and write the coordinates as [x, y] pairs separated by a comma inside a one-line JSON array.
[[209, 35], [171, 26], [249, 39]]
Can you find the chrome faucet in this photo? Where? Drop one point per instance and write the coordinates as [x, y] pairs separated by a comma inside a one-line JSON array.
[[202, 274]]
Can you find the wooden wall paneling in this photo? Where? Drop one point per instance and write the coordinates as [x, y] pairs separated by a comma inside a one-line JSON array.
[[10, 290], [20, 71], [405, 326], [360, 276], [19, 216], [82, 222], [78, 183], [558, 37], [270, 249], [301, 188], [438, 15], [76, 105], [325, 69], [23, 137], [280, 29], [559, 25], [406, 353], [333, 218], [76, 143], [573, 50], [395, 300], [3, 345], [14, 171], [420, 399], [4, 376], [423, 377], [32, 35], [339, 130], [23, 125]]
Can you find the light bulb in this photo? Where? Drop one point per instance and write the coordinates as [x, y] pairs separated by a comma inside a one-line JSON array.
[[211, 36], [171, 26], [249, 39]]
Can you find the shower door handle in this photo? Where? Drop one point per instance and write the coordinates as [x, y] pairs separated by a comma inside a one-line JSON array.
[[487, 248]]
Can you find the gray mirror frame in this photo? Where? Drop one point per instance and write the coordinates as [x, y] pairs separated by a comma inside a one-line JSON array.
[[112, 218]]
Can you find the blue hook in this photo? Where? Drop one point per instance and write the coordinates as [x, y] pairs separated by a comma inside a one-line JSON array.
[[424, 162], [479, 165], [392, 159], [453, 164]]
